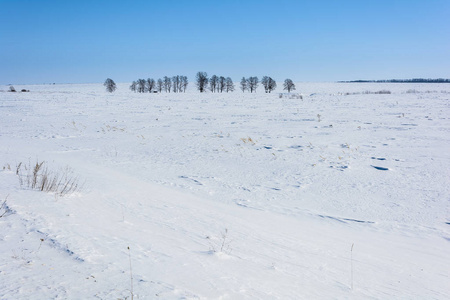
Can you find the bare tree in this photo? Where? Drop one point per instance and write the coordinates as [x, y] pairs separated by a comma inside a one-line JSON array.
[[133, 86], [184, 83], [159, 85], [150, 85], [141, 85], [243, 84], [176, 83], [268, 83], [272, 85], [222, 84], [213, 83], [202, 81], [265, 82], [167, 84], [110, 85], [252, 83], [229, 84], [179, 83], [289, 85]]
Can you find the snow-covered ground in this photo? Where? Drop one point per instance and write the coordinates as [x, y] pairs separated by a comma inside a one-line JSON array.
[[228, 196]]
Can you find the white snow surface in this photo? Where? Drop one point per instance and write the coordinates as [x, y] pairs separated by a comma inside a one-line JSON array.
[[354, 206]]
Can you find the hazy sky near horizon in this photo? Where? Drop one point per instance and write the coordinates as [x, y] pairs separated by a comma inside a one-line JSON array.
[[46, 41]]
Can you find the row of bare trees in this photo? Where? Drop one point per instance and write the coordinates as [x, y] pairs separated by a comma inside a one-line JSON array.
[[221, 84], [218, 84], [251, 84], [177, 84]]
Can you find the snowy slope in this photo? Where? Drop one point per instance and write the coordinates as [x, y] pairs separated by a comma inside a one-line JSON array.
[[167, 174]]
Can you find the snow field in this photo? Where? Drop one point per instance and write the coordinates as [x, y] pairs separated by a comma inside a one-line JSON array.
[[166, 174]]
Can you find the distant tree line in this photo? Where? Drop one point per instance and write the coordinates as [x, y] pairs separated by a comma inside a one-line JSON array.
[[414, 80], [216, 84], [220, 84]]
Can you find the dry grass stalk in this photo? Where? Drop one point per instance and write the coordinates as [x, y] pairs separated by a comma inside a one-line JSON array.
[[131, 275], [351, 264], [40, 177], [4, 208]]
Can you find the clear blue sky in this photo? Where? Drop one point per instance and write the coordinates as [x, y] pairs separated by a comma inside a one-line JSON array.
[[64, 41]]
